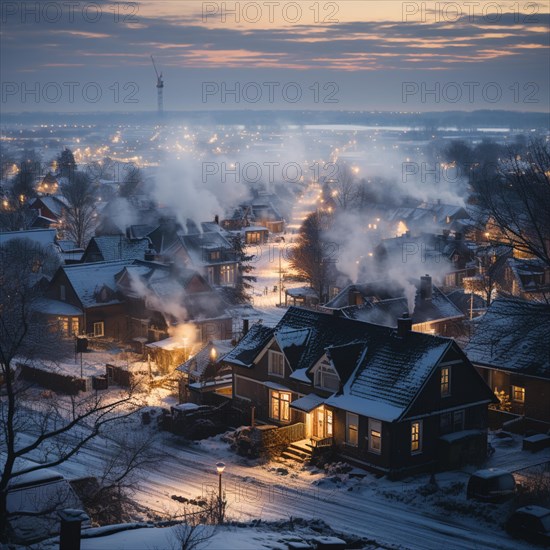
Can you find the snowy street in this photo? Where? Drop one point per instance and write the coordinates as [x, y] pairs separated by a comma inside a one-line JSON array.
[[375, 508]]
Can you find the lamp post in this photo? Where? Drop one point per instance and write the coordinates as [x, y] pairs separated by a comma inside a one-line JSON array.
[[220, 467]]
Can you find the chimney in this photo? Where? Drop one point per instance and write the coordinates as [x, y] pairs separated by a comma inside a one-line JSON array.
[[426, 287], [404, 325], [408, 234], [245, 326], [217, 219]]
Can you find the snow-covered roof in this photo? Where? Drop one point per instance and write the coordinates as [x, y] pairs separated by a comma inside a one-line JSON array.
[[117, 247], [244, 353], [169, 344], [43, 237], [513, 336], [307, 403], [381, 373], [390, 373], [196, 365], [88, 280], [55, 307]]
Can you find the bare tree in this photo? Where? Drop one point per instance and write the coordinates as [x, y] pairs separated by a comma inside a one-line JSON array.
[[344, 188], [133, 182], [80, 213], [54, 429], [517, 202]]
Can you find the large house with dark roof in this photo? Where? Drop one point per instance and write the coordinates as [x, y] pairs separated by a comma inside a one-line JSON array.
[[107, 248], [510, 347], [134, 299], [392, 400], [383, 302]]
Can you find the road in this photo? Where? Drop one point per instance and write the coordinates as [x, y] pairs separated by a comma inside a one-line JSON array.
[[259, 492]]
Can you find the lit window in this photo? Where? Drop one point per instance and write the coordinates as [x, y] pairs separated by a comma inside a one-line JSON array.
[[352, 429], [375, 436], [276, 363], [518, 394], [99, 329], [227, 275], [416, 437], [280, 406], [445, 381]]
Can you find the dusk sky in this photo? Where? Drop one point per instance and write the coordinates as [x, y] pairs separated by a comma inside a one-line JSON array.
[[350, 54]]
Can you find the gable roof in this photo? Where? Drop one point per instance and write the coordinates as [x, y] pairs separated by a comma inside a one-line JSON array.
[[390, 373], [88, 280], [42, 237], [116, 247], [54, 204], [381, 372], [196, 366], [254, 341], [513, 336], [385, 303]]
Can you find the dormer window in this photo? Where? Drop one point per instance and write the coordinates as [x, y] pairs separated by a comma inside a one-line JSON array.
[[326, 377], [276, 363], [215, 255]]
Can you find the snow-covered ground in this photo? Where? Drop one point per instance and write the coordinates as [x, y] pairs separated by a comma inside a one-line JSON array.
[[271, 261], [411, 513]]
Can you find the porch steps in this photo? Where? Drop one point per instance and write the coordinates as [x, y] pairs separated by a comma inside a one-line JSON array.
[[299, 451]]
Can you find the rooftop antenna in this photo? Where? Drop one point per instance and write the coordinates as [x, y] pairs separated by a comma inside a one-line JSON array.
[[160, 86]]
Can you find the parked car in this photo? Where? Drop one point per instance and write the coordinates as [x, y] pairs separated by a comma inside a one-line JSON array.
[[531, 523], [491, 485]]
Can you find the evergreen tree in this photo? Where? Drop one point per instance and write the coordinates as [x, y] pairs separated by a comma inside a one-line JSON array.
[[244, 279]]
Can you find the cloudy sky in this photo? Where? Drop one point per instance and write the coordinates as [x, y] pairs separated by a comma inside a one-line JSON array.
[[349, 54]]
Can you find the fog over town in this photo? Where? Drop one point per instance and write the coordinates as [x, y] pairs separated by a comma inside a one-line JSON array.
[[274, 275]]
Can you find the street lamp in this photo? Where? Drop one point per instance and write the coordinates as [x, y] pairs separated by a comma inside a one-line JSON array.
[[220, 467]]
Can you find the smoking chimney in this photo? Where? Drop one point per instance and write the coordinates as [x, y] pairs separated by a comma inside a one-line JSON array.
[[426, 287], [404, 325]]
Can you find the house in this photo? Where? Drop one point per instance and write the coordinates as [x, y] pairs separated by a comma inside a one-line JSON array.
[[207, 249], [204, 374], [391, 400], [259, 211], [383, 302], [107, 248], [84, 299], [255, 234], [160, 297], [528, 279], [510, 347], [50, 207]]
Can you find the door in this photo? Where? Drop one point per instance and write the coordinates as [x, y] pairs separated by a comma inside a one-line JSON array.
[[322, 423]]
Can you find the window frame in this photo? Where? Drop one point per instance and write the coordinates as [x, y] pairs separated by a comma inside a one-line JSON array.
[[521, 391], [418, 439], [375, 427], [325, 368], [445, 381], [102, 325], [271, 354], [283, 405], [352, 427]]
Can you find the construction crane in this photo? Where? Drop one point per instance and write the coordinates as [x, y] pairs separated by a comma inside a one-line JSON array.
[[160, 86]]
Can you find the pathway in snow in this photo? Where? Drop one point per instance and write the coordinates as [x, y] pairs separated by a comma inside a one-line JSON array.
[[271, 262]]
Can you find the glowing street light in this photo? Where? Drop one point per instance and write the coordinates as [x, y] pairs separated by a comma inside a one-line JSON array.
[[220, 467]]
